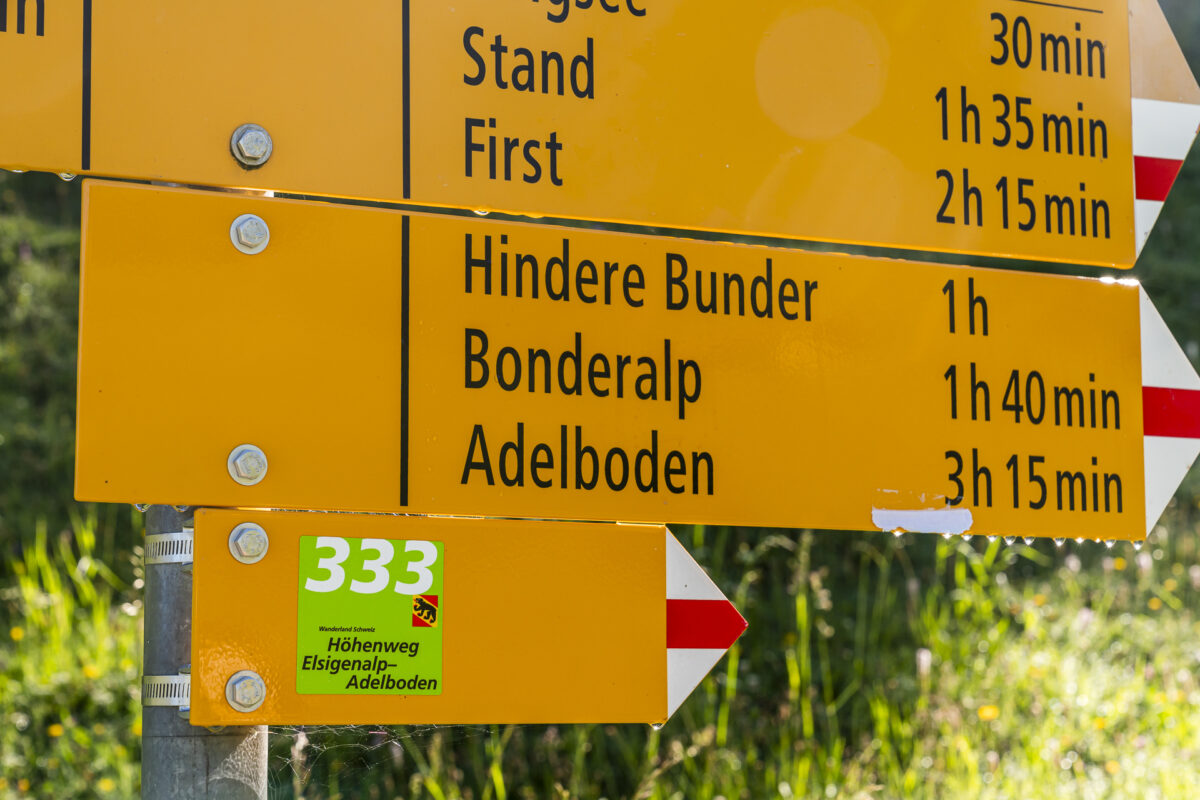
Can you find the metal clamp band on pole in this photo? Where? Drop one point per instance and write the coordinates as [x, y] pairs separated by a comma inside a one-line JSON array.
[[170, 548], [167, 690]]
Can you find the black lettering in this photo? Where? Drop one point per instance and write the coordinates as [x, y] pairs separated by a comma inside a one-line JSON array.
[[485, 464], [474, 357], [765, 282], [675, 282], [517, 449], [575, 359], [484, 263], [480, 65], [648, 456], [614, 454], [582, 450], [543, 458], [674, 465]]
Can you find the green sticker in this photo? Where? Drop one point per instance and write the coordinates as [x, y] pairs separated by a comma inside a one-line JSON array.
[[370, 616]]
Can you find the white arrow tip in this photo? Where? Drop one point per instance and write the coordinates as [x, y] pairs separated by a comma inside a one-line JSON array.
[[701, 624], [1169, 387]]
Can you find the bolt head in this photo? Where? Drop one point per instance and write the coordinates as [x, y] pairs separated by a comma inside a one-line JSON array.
[[247, 464], [250, 465], [249, 542], [252, 231], [248, 691], [249, 234], [254, 144], [251, 145], [245, 690]]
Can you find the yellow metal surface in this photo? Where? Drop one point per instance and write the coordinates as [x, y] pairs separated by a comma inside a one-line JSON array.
[[824, 389], [804, 118], [982, 126], [167, 83], [544, 622], [41, 100]]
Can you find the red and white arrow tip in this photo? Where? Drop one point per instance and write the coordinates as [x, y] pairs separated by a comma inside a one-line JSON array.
[[1170, 411], [701, 624], [1166, 111]]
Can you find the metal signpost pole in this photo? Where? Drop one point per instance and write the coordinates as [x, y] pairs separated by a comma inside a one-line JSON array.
[[181, 761]]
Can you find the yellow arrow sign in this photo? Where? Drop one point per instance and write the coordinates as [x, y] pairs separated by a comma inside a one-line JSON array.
[[991, 127], [376, 619], [371, 360]]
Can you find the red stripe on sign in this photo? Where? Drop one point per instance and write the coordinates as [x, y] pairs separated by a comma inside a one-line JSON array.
[[708, 624], [1154, 177], [1171, 412]]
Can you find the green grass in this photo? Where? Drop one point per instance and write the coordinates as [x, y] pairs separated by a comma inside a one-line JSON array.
[[70, 661], [873, 667]]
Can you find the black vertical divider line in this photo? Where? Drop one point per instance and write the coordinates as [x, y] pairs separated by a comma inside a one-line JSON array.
[[85, 127], [404, 245], [406, 101], [404, 350]]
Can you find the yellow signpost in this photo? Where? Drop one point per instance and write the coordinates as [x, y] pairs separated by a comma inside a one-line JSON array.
[[398, 620], [372, 360], [357, 358], [981, 127]]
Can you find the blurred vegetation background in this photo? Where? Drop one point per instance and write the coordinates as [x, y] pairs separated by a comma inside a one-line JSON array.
[[873, 666]]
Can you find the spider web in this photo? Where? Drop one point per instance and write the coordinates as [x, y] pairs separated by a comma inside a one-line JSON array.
[[476, 762], [332, 761]]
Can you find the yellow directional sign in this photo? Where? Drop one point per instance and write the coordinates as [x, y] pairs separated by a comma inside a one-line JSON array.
[[990, 127], [372, 360], [398, 620]]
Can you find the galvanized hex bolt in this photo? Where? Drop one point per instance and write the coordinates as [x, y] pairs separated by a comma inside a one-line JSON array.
[[249, 234], [247, 464], [245, 690], [251, 145], [248, 543]]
